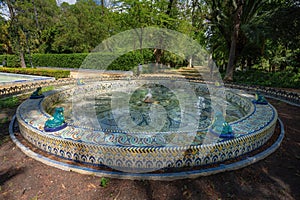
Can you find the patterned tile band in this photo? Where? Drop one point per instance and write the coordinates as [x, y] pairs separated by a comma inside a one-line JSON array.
[[84, 144]]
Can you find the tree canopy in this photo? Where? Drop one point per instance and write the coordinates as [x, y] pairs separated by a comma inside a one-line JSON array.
[[239, 34]]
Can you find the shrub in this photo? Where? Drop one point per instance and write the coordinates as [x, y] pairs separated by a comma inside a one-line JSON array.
[[114, 61], [174, 60], [127, 61], [284, 79], [58, 60], [47, 60], [107, 60], [9, 102], [11, 60], [40, 72]]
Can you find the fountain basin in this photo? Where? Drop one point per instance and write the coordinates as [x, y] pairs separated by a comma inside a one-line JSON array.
[[143, 152]]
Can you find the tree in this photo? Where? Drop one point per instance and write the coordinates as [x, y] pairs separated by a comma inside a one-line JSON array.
[[282, 47], [234, 22], [26, 22], [82, 27], [15, 30], [5, 43], [234, 40]]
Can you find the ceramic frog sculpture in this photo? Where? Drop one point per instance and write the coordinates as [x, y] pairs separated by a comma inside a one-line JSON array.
[[57, 120], [259, 99], [37, 94]]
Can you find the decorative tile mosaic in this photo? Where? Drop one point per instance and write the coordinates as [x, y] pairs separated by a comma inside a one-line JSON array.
[[132, 152]]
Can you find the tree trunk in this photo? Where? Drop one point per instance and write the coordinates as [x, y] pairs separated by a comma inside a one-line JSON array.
[[22, 60], [10, 9], [158, 54], [234, 39], [9, 49], [191, 62]]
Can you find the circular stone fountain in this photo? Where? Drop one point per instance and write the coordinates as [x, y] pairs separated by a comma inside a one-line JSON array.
[[111, 125]]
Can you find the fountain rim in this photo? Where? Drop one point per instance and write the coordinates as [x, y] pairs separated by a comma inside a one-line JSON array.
[[236, 139]]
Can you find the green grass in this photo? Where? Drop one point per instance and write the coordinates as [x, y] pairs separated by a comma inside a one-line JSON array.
[[9, 102], [13, 102], [104, 182], [46, 89]]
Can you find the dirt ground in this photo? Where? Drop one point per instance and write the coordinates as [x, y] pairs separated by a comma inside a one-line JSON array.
[[276, 177]]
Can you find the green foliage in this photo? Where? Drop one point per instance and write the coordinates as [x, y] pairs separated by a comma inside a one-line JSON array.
[[104, 182], [82, 27], [46, 89], [58, 60], [47, 60], [40, 72], [105, 61], [127, 61], [9, 102], [11, 60], [268, 34], [274, 79], [173, 60]]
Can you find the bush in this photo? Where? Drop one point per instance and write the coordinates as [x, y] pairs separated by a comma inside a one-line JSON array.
[[11, 60], [9, 102], [269, 79], [127, 61], [58, 60], [107, 60], [47, 60], [174, 60], [39, 72], [113, 61]]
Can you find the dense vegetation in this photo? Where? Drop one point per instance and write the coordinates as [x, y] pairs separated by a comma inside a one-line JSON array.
[[76, 60], [283, 79], [251, 35]]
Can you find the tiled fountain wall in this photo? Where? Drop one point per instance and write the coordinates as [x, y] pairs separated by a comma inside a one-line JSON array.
[[87, 145]]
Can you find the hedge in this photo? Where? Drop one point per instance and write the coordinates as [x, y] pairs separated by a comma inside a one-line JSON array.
[[11, 60], [39, 72], [46, 60], [269, 79], [58, 60], [107, 60]]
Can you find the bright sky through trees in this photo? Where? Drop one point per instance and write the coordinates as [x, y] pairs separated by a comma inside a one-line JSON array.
[[68, 1]]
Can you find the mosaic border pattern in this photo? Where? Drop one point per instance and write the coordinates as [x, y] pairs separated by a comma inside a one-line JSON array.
[[152, 176], [254, 131]]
